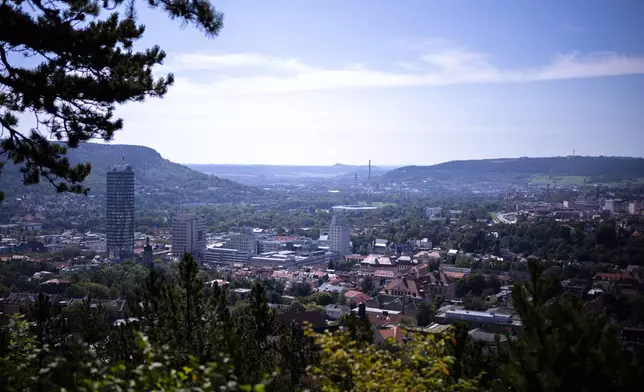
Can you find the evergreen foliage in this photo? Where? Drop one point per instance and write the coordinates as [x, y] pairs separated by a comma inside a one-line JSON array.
[[181, 335], [83, 64]]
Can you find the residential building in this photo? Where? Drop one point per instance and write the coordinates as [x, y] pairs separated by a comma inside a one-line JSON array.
[[394, 332], [427, 256], [331, 288], [119, 222], [433, 212], [380, 246], [324, 239], [315, 318], [379, 317], [383, 277], [189, 235], [334, 311], [402, 287], [340, 236], [356, 296], [438, 283], [634, 207], [615, 206]]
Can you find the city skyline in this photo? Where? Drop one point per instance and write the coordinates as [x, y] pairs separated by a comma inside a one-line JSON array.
[[419, 84]]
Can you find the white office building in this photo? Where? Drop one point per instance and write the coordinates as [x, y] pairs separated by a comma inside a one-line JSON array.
[[243, 240], [634, 208], [188, 235], [340, 236], [433, 212]]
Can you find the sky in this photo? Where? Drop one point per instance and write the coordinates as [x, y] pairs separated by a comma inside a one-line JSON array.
[[407, 82]]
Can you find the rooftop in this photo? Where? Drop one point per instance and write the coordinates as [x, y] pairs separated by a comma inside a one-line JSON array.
[[474, 315], [354, 208]]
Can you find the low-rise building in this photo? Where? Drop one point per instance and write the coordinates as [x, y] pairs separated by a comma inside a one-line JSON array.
[[492, 320], [225, 256], [438, 283], [433, 212], [356, 296], [402, 287], [334, 311]]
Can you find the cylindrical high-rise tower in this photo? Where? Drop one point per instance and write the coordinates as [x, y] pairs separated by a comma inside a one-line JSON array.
[[119, 215]]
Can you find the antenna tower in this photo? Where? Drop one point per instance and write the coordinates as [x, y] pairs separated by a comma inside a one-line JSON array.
[[369, 183]]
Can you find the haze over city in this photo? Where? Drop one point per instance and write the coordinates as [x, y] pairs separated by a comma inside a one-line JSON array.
[[421, 83]]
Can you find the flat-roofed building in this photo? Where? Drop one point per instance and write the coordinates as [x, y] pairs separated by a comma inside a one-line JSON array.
[[189, 235], [119, 214]]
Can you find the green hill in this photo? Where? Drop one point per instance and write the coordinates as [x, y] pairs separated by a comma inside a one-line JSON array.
[[156, 178], [592, 169]]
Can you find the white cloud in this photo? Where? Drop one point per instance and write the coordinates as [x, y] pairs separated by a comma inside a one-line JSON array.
[[197, 61], [445, 67], [252, 108]]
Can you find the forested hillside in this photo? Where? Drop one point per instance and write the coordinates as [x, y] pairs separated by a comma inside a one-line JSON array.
[[596, 169], [153, 174]]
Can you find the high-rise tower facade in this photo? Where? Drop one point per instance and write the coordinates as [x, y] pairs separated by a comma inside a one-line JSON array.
[[119, 222], [188, 235], [340, 235]]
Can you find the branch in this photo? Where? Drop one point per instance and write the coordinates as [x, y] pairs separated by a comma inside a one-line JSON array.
[[5, 62]]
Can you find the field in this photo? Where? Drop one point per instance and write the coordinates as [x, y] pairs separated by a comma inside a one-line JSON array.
[[560, 180], [380, 204], [579, 180]]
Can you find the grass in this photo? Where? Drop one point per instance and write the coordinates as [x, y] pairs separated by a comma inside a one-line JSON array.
[[579, 180], [381, 204], [560, 180]]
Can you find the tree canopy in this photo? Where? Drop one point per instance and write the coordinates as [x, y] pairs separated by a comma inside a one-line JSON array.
[[68, 64]]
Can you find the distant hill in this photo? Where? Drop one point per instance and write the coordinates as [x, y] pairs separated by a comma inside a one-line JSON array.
[[271, 174], [593, 169], [154, 175]]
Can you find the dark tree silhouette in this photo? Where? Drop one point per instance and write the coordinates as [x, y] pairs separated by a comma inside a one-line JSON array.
[[83, 65]]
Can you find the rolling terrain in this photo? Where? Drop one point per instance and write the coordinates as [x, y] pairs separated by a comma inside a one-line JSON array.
[[564, 170], [284, 174], [154, 175]]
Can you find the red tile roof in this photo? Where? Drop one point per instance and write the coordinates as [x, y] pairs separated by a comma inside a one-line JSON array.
[[406, 286], [314, 317], [356, 295], [437, 278], [608, 276], [395, 333], [454, 275]]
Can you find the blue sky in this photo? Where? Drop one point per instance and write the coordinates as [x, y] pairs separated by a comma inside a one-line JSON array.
[[407, 82]]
